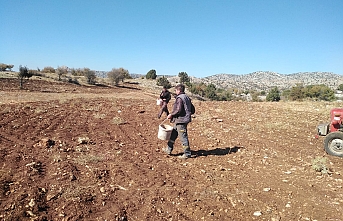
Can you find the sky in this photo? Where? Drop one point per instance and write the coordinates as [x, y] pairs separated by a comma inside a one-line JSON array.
[[199, 37]]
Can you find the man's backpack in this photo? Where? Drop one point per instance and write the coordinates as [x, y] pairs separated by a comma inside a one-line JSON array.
[[183, 97], [192, 108]]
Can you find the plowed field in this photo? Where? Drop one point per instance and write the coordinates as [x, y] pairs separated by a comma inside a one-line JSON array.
[[71, 152]]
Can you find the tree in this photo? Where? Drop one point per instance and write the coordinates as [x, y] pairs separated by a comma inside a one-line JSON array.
[[327, 94], [184, 77], [273, 95], [340, 87], [151, 74], [118, 74], [90, 75], [76, 72], [3, 67], [61, 71], [163, 81], [210, 92], [319, 92], [297, 93], [23, 73]]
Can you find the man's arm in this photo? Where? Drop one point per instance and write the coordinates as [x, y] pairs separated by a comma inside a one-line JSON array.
[[176, 108]]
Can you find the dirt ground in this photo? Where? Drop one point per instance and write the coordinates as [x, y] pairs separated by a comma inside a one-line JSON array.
[[71, 152]]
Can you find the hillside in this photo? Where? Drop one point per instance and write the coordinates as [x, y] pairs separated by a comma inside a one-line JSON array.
[[265, 80]]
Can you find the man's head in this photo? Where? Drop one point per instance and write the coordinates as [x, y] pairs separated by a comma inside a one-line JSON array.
[[180, 88]]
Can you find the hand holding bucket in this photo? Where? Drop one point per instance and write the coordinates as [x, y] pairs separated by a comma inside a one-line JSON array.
[[159, 102]]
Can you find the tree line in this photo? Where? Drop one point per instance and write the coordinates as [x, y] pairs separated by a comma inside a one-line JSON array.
[[115, 75]]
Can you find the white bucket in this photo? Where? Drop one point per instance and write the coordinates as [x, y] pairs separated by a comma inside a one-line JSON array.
[[159, 102], [164, 131]]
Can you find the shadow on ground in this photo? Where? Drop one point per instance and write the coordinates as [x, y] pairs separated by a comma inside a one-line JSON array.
[[215, 152], [123, 86]]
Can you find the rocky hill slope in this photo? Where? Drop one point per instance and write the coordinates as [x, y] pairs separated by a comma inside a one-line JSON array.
[[265, 80]]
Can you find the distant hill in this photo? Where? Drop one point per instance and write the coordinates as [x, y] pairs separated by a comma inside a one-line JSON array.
[[259, 80], [265, 80]]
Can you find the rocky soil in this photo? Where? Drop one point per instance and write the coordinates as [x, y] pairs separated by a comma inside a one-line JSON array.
[[71, 152]]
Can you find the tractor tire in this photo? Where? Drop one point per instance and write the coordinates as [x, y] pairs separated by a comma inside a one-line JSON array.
[[333, 144]]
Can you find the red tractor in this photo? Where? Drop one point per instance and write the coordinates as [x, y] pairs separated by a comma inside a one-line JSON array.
[[333, 143]]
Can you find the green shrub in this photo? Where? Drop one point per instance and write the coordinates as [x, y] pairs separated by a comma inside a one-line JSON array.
[[151, 74], [273, 95], [163, 81]]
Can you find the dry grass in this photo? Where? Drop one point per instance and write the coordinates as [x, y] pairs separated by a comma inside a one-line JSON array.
[[118, 121], [85, 159], [319, 165], [79, 193]]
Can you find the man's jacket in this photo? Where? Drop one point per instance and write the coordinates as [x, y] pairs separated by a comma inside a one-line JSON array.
[[165, 95], [181, 112]]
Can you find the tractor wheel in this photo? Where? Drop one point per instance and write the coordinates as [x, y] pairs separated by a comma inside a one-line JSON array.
[[333, 144]]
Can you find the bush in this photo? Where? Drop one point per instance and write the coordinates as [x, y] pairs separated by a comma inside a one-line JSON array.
[[163, 82], [3, 67], [319, 92], [118, 74], [319, 165], [315, 92], [273, 95], [254, 96], [48, 69], [297, 93], [34, 72], [151, 74], [90, 75], [198, 89], [210, 92], [76, 72], [73, 81], [61, 71]]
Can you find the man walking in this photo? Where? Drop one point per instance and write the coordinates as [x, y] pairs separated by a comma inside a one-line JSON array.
[[165, 96], [180, 116]]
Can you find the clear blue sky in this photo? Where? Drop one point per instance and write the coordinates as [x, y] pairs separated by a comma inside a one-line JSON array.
[[199, 37]]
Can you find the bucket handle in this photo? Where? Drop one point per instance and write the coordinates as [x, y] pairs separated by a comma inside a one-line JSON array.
[[163, 121]]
